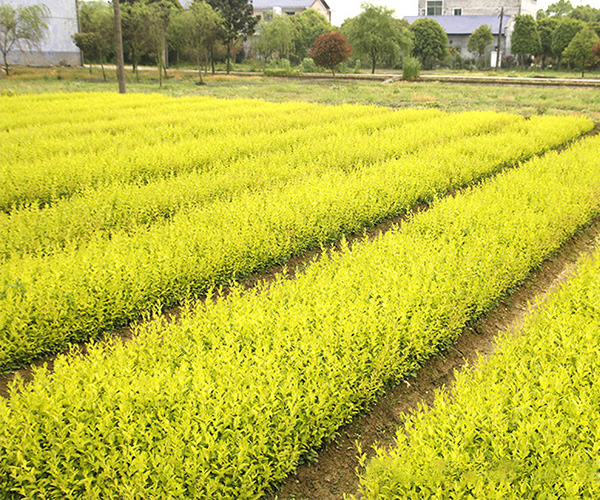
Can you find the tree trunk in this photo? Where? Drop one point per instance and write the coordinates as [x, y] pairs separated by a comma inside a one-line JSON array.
[[165, 54], [160, 69], [4, 54], [119, 47], [212, 58], [199, 68], [102, 66], [228, 57], [373, 63]]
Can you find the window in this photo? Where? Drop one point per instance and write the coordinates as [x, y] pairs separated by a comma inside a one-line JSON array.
[[434, 7], [458, 12]]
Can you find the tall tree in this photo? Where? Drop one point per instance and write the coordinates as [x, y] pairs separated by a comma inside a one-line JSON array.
[[581, 49], [277, 37], [330, 50], [545, 28], [563, 34], [22, 28], [525, 39], [201, 24], [480, 40], [375, 34], [119, 47], [136, 32], [309, 25], [586, 13], [430, 41], [96, 38], [562, 8], [239, 22]]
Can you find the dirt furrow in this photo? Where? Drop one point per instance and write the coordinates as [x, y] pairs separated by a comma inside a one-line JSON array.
[[333, 472]]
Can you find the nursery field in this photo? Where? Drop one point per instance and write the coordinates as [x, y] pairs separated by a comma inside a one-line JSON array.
[[113, 208]]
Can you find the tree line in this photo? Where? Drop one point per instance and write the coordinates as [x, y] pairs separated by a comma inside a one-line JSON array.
[[161, 32]]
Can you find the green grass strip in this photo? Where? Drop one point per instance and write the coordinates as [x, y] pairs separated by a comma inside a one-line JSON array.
[[224, 403], [524, 425], [74, 295]]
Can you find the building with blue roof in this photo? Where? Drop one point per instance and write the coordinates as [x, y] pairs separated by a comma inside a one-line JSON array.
[[460, 18], [459, 28]]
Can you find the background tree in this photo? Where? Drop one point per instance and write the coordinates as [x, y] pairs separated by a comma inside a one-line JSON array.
[[330, 50], [136, 32], [201, 27], [22, 28], [374, 34], [562, 8], [585, 13], [96, 39], [545, 28], [525, 39], [430, 41], [277, 37], [309, 25], [239, 22], [177, 33], [159, 15], [581, 49], [480, 40], [563, 34], [596, 51]]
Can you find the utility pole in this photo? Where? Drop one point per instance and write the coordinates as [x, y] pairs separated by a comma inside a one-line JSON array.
[[119, 46], [498, 51], [81, 62]]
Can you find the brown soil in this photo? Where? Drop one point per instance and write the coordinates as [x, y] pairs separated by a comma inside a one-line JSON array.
[[334, 473]]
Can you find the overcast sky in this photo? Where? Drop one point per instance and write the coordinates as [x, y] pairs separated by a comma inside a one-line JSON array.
[[342, 9]]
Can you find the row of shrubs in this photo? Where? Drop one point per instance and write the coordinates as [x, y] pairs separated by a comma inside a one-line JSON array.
[[411, 68]]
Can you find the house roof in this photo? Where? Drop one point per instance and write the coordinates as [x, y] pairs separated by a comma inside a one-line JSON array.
[[294, 4], [465, 25]]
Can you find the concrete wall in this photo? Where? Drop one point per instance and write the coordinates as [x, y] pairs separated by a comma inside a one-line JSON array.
[[483, 7], [58, 46]]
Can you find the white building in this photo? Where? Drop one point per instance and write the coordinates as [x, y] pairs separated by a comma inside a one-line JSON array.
[[266, 8], [57, 47], [476, 7]]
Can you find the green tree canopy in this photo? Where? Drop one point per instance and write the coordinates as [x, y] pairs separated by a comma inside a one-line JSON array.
[[525, 38], [136, 29], [375, 34], [581, 49], [277, 37], [239, 22], [586, 13], [480, 40], [22, 28], [330, 50], [96, 38], [309, 25], [562, 8], [545, 28], [430, 41], [563, 34]]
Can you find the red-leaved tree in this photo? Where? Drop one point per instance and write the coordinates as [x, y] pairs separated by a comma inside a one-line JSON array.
[[596, 50], [330, 50]]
